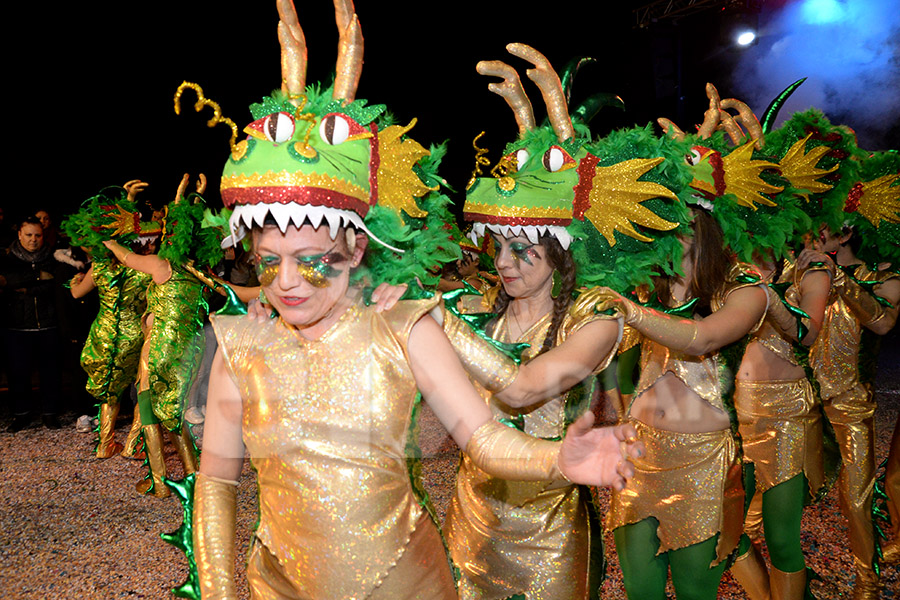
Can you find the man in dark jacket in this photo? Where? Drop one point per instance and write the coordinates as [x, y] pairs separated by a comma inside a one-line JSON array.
[[30, 276]]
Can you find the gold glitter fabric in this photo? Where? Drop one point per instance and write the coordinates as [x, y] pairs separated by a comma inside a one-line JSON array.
[[421, 573], [488, 366], [215, 504], [325, 423], [690, 483], [699, 373], [781, 431], [111, 351], [175, 342], [852, 416], [834, 357], [522, 537]]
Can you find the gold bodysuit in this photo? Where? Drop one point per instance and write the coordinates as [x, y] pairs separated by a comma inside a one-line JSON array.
[[523, 537], [834, 357], [689, 482], [780, 424], [326, 424]]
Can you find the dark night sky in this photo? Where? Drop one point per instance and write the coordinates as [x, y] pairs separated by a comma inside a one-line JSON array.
[[98, 79]]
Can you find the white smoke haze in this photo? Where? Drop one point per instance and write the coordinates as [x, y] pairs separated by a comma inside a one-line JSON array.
[[850, 52]]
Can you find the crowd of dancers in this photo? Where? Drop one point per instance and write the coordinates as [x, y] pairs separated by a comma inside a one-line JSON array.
[[721, 292]]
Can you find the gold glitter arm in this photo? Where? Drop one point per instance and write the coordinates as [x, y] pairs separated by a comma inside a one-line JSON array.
[[778, 313], [863, 304], [490, 367], [509, 454], [215, 502], [671, 332]]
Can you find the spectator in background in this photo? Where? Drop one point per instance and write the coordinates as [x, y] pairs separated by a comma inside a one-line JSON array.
[[30, 277]]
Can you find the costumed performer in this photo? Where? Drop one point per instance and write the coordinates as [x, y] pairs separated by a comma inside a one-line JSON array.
[[776, 397], [111, 353], [863, 305], [467, 269], [324, 396], [176, 310], [693, 328], [542, 539]]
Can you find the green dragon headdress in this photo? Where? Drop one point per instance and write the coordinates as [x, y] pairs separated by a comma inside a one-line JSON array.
[[325, 158], [606, 199], [109, 215], [757, 206]]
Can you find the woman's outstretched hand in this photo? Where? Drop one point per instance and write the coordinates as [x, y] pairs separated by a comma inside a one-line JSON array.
[[599, 456]]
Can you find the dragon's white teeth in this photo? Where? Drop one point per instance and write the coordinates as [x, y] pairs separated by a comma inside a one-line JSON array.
[[562, 235], [531, 233], [334, 224], [282, 216], [517, 230], [314, 214], [260, 212]]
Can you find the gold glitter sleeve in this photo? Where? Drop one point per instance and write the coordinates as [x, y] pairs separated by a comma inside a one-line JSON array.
[[234, 336], [215, 503], [583, 313], [863, 303], [483, 362], [401, 318], [740, 276], [509, 454]]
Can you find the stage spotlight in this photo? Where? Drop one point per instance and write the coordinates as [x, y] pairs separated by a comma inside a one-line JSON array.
[[745, 37]]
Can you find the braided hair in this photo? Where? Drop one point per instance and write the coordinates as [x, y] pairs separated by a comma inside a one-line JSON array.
[[562, 261]]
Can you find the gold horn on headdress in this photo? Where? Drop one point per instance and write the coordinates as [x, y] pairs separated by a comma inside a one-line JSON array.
[[511, 90], [548, 82]]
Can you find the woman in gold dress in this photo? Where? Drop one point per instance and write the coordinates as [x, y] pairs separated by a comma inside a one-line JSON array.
[[323, 398]]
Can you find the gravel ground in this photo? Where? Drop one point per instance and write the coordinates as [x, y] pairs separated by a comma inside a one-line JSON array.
[[72, 526]]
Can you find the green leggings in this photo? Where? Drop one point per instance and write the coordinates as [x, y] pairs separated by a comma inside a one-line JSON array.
[[782, 508], [146, 409], [645, 573]]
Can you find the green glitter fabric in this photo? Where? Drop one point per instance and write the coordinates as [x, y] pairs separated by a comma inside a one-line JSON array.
[[112, 350], [176, 342]]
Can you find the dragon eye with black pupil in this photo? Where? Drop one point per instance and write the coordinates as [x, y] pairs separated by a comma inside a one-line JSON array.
[[554, 159], [279, 127], [334, 130]]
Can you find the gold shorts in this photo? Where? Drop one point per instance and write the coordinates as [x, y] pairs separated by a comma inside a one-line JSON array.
[[781, 430], [690, 483]]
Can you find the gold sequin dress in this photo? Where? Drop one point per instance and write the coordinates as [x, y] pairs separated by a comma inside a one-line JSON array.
[[689, 482], [523, 537], [326, 424], [835, 359], [780, 423]]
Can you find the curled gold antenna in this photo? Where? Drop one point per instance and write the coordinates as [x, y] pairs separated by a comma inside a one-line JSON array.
[[204, 101], [481, 160]]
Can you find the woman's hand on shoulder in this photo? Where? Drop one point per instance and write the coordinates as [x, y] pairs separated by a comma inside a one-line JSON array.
[[258, 311], [386, 296]]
